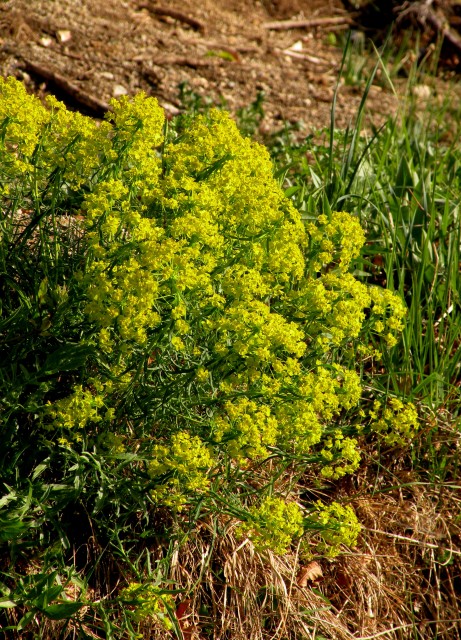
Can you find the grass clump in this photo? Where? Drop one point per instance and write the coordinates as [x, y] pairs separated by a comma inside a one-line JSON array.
[[178, 348], [403, 181]]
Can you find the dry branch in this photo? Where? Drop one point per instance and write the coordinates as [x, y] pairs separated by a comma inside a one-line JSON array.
[[303, 56], [425, 15], [87, 100], [308, 24], [173, 13], [192, 63]]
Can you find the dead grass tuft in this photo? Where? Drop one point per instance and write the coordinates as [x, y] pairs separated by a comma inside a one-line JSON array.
[[403, 582]]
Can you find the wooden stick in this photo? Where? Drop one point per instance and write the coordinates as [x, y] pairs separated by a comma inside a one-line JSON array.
[[303, 56], [192, 63], [94, 104], [307, 24], [172, 13]]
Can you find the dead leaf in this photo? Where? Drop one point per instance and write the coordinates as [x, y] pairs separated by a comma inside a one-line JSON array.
[[343, 580], [181, 612], [310, 573]]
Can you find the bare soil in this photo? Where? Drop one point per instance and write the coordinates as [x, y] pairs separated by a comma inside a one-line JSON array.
[[225, 52]]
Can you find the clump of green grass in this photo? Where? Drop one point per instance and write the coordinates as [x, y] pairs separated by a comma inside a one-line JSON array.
[[403, 181]]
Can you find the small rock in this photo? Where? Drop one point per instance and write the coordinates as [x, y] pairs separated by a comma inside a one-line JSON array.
[[297, 46], [63, 35], [46, 41], [119, 90], [421, 91], [170, 108], [25, 77]]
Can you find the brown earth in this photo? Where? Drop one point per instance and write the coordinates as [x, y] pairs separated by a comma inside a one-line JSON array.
[[222, 50]]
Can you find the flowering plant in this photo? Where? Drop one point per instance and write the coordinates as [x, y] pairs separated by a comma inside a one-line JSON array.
[[188, 326]]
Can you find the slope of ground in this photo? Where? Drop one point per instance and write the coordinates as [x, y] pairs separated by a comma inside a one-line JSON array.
[[221, 50]]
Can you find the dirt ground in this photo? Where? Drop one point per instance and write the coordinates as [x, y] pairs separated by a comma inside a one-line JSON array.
[[222, 49]]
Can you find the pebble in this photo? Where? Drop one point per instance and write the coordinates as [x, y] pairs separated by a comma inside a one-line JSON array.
[[119, 90]]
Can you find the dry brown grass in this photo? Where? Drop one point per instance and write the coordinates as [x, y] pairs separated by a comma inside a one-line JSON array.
[[402, 582]]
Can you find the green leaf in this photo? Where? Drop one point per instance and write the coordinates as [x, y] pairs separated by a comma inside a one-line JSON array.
[[67, 358], [47, 594], [42, 290], [322, 596], [26, 618], [12, 529], [39, 469], [6, 603], [62, 611], [291, 190]]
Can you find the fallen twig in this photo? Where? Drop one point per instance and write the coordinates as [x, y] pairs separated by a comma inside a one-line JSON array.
[[97, 106], [307, 24], [192, 63], [173, 13], [303, 56]]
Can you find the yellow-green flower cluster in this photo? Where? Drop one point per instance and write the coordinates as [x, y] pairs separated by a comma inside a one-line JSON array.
[[300, 426], [334, 305], [341, 455], [223, 186], [111, 442], [22, 118], [388, 312], [396, 422], [137, 132], [254, 330], [326, 392], [273, 524], [77, 410], [74, 143], [86, 407], [122, 292], [293, 414], [337, 525], [247, 427], [60, 139], [181, 469], [337, 239], [147, 601], [330, 389]]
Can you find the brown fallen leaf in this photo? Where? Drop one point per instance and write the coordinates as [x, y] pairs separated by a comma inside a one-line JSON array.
[[181, 613], [310, 573], [343, 580]]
